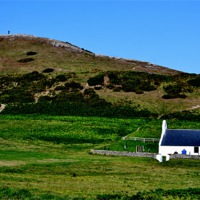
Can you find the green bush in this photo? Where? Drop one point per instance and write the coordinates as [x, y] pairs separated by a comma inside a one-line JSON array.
[[195, 82], [48, 70], [90, 92], [97, 80], [64, 96], [73, 85], [174, 91], [61, 78], [173, 96], [60, 87], [45, 98], [25, 60], [114, 77], [33, 76], [139, 91], [16, 95], [31, 53]]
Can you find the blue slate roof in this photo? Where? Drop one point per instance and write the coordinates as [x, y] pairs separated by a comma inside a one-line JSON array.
[[178, 137]]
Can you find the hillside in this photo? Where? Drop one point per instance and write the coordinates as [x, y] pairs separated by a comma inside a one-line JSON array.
[[62, 56], [50, 72]]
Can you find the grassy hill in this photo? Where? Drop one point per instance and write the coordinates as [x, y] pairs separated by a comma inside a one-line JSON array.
[[59, 101], [35, 67], [62, 56]]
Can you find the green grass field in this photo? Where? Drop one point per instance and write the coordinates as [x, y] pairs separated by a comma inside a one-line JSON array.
[[48, 157]]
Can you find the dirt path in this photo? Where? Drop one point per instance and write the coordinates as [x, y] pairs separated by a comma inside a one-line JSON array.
[[194, 107], [2, 107]]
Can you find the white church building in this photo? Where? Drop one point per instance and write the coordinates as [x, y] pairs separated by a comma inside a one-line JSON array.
[[179, 141]]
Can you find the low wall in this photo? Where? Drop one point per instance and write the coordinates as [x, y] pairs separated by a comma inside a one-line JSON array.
[[175, 156], [123, 153], [140, 154]]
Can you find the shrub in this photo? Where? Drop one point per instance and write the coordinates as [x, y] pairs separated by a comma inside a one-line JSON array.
[[45, 98], [173, 96], [73, 85], [173, 89], [60, 87], [139, 91], [97, 80], [167, 96], [31, 53], [16, 95], [89, 92], [195, 82], [33, 76], [130, 85], [25, 60], [69, 97], [48, 70], [114, 79], [61, 78], [147, 87]]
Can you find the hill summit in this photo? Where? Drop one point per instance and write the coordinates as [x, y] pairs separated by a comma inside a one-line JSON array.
[[60, 55]]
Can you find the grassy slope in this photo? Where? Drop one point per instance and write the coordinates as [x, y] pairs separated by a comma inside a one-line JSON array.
[[14, 48], [66, 168], [87, 65], [153, 100]]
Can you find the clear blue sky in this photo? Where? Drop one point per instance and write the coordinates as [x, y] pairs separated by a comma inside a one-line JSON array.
[[162, 32]]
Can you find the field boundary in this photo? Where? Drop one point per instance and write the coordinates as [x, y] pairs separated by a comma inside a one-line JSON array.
[[140, 154], [123, 153], [141, 139]]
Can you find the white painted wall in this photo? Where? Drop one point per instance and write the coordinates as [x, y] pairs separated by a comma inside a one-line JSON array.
[[165, 150]]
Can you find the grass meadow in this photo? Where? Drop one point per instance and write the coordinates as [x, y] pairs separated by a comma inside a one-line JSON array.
[[48, 157]]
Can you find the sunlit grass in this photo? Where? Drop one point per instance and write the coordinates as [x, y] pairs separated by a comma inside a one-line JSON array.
[[68, 169]]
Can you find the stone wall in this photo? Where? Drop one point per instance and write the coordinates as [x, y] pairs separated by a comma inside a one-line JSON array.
[[175, 156], [123, 153], [140, 154]]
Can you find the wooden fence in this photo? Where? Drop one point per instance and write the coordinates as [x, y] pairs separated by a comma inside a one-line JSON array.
[[142, 139]]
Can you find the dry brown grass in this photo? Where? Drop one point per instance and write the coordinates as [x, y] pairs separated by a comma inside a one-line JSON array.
[[14, 48]]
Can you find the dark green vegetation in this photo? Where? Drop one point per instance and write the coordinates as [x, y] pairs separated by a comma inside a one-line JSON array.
[[47, 157], [60, 101], [62, 95]]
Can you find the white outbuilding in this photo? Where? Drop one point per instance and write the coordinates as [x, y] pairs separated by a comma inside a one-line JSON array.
[[179, 141]]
